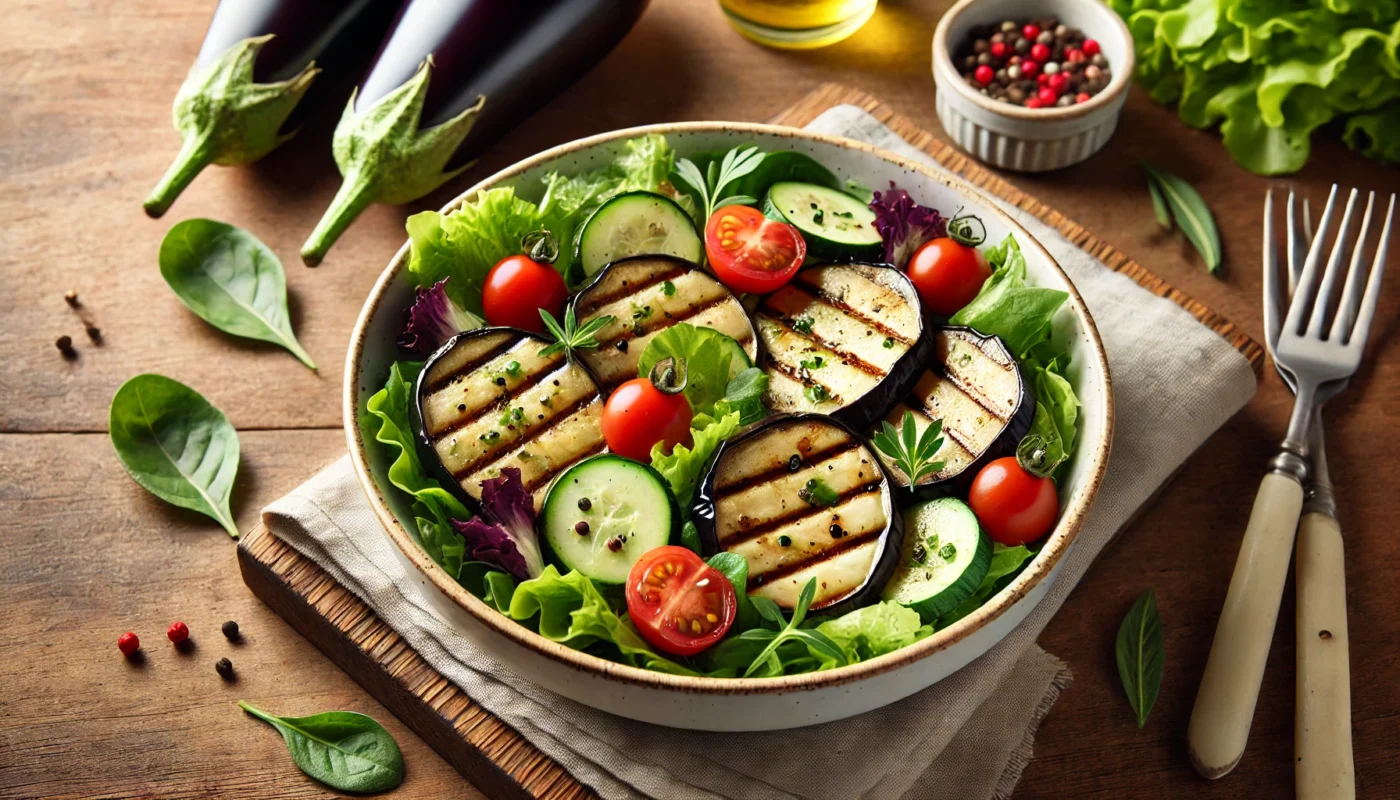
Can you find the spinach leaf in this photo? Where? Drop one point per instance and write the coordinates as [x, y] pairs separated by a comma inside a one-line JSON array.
[[344, 750], [176, 445], [1141, 655], [230, 279]]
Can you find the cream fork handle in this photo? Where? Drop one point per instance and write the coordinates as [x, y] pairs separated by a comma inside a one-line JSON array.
[[1235, 668], [1323, 769]]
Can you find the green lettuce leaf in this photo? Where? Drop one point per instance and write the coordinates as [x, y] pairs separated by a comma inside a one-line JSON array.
[[708, 358], [1009, 308], [873, 631], [681, 467]]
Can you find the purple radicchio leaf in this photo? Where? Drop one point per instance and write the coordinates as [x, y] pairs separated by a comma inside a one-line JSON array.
[[904, 225], [433, 319], [504, 533]]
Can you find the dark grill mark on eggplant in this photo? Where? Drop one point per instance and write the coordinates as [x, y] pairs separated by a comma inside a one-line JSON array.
[[660, 321], [847, 358], [627, 288], [527, 434], [472, 366], [804, 377], [813, 460], [555, 469], [850, 542], [802, 284], [799, 513], [502, 402]]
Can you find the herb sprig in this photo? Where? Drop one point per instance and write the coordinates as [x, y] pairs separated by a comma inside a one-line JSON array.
[[788, 630], [911, 452], [709, 187], [571, 337], [1189, 211]]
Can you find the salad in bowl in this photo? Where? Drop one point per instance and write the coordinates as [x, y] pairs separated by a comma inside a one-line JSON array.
[[692, 422]]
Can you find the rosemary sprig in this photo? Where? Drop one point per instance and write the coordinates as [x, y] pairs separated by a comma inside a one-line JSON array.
[[571, 337], [708, 187], [911, 452]]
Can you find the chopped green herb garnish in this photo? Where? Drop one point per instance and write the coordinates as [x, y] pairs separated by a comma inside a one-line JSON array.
[[889, 342], [817, 393], [817, 493], [785, 540], [512, 416], [845, 214], [818, 217], [802, 325], [571, 336], [640, 312], [948, 552], [916, 558], [513, 369], [816, 362], [668, 289], [490, 436]]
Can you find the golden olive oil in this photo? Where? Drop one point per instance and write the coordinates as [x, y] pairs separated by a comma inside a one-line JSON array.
[[797, 24]]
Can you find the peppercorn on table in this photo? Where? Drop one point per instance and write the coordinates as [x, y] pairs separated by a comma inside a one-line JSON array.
[[85, 554]]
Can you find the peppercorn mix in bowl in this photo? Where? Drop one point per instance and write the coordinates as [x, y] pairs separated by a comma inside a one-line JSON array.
[[1031, 85]]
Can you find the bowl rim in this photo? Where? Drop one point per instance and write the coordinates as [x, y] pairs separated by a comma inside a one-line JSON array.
[[1071, 519], [1116, 90]]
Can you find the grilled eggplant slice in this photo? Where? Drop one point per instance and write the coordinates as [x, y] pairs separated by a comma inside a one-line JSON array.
[[977, 389], [647, 294], [487, 399], [803, 496], [842, 339]]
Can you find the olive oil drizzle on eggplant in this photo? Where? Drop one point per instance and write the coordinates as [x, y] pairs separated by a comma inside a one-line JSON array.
[[847, 358], [471, 366], [848, 543], [506, 398], [556, 469], [536, 429], [802, 285], [800, 513]]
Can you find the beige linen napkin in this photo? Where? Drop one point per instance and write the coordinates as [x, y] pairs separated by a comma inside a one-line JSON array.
[[967, 737]]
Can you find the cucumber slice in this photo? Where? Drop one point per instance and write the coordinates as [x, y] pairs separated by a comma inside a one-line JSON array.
[[626, 508], [945, 556], [833, 223], [634, 224]]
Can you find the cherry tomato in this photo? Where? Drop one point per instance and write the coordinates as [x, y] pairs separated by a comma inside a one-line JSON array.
[[679, 603], [947, 274], [751, 253], [638, 415], [517, 288], [1013, 505]]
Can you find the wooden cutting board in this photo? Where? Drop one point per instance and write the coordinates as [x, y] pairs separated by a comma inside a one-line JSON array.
[[489, 753]]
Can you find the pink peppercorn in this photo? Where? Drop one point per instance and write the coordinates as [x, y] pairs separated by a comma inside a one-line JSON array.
[[1034, 102], [1082, 97], [1075, 55], [1030, 31], [1091, 47], [178, 632], [998, 49], [1047, 96], [1029, 68], [1040, 52], [984, 74], [128, 643], [1058, 82]]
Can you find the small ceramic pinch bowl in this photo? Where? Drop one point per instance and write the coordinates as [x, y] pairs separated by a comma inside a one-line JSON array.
[[1029, 139]]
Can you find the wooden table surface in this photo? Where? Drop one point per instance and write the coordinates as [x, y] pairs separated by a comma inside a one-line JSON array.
[[85, 554]]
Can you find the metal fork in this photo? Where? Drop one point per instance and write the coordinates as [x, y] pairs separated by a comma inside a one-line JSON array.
[[1319, 358]]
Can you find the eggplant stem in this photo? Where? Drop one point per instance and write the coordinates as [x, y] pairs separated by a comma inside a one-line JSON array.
[[355, 195], [195, 154]]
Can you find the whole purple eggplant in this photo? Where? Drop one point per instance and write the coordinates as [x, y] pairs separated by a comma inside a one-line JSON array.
[[254, 79], [451, 78]]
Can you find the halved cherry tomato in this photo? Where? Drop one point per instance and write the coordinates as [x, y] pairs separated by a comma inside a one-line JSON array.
[[948, 274], [1013, 505], [751, 253], [517, 288], [638, 415], [679, 603]]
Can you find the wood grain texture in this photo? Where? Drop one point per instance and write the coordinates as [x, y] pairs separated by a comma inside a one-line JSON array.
[[85, 554]]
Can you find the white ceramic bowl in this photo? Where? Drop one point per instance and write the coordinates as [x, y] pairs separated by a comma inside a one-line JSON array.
[[730, 704], [1026, 139]]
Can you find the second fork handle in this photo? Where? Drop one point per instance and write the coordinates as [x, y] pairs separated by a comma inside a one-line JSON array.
[[1229, 689], [1324, 769]]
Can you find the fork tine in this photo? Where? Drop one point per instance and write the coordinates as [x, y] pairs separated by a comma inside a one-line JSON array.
[[1294, 321], [1351, 295], [1270, 259], [1359, 332], [1323, 301], [1297, 245]]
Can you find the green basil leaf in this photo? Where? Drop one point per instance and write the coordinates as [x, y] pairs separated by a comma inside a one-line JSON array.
[[230, 279], [1141, 655], [344, 750], [177, 445], [1191, 214]]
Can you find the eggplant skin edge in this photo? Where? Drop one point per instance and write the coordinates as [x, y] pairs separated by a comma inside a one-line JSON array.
[[426, 452], [1006, 442], [891, 540]]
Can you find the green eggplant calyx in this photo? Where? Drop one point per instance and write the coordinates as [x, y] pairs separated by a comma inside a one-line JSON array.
[[228, 119], [385, 158]]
